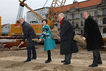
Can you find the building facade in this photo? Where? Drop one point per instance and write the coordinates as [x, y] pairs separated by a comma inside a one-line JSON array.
[[98, 12], [33, 19], [74, 13], [5, 29]]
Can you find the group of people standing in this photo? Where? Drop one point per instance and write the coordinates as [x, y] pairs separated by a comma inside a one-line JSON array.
[[68, 46]]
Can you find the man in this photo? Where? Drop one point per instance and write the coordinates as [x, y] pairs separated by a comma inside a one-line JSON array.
[[29, 34], [67, 45], [93, 38]]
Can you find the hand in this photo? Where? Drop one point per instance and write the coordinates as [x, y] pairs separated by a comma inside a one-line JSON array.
[[22, 42], [40, 39], [84, 38]]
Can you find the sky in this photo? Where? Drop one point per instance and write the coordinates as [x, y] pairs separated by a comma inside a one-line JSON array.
[[9, 8]]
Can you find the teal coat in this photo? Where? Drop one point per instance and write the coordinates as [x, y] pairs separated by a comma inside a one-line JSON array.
[[49, 43]]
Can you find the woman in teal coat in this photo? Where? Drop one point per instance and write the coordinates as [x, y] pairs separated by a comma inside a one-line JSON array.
[[49, 43]]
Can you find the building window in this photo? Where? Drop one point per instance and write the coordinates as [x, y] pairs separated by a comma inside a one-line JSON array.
[[96, 13], [96, 21], [73, 23], [77, 26], [33, 21], [104, 11], [72, 16], [46, 15], [104, 30], [104, 1], [82, 32], [104, 20], [81, 15], [82, 23]]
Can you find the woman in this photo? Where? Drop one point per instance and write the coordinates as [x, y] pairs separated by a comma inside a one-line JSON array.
[[49, 43]]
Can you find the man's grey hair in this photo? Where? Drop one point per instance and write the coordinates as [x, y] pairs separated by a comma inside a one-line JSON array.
[[86, 12], [62, 14], [21, 18]]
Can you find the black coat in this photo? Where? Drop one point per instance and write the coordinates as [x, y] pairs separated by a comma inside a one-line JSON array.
[[28, 32], [67, 45], [92, 34]]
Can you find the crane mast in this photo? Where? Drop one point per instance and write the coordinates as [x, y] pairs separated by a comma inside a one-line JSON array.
[[52, 15]]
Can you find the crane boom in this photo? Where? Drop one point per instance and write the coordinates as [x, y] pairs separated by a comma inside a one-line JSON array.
[[22, 3], [33, 11], [52, 15]]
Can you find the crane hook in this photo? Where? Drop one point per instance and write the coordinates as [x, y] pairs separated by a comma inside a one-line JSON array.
[[22, 1]]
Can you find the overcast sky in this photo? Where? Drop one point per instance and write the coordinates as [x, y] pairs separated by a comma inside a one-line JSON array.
[[9, 8]]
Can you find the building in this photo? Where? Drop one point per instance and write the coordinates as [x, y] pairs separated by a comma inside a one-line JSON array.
[[33, 19], [5, 29], [74, 13]]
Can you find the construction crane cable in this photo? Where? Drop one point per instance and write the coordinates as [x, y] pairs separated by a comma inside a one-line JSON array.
[[45, 3]]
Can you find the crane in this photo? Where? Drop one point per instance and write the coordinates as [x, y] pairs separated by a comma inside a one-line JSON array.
[[51, 18], [52, 12], [20, 12], [52, 15]]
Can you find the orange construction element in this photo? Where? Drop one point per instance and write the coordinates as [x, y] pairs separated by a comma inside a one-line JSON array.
[[37, 28], [17, 30], [83, 4], [104, 39]]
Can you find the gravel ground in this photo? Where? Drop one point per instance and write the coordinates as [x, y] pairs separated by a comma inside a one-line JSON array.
[[12, 60]]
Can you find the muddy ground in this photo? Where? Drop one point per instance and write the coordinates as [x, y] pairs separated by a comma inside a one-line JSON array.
[[13, 60]]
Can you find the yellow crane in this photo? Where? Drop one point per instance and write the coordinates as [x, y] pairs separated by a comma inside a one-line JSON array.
[[52, 17], [52, 12]]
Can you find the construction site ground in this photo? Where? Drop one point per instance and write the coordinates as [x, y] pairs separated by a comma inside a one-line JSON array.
[[13, 60]]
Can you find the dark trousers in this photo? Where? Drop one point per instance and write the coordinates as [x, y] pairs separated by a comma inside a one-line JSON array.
[[31, 48], [49, 54], [68, 57], [96, 57]]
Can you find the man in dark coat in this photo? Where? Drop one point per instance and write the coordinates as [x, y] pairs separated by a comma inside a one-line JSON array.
[[93, 38], [29, 34], [66, 35]]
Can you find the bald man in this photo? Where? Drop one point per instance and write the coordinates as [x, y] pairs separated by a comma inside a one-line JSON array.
[[29, 34], [93, 38]]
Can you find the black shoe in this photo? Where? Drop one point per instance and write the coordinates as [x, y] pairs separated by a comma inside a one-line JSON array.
[[93, 65], [34, 58], [48, 61], [63, 61], [27, 61], [99, 62], [66, 63]]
